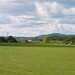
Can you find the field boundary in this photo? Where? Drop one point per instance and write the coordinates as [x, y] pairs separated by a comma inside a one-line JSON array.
[[34, 45]]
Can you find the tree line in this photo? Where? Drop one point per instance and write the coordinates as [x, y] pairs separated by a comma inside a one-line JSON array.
[[46, 39], [9, 39], [63, 39]]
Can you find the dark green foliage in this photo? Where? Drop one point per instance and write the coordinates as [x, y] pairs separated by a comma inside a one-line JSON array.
[[72, 39], [63, 39], [66, 41], [11, 39], [2, 39], [69, 39], [41, 39], [26, 41]]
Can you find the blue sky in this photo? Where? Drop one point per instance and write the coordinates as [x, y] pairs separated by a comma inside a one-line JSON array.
[[36, 17]]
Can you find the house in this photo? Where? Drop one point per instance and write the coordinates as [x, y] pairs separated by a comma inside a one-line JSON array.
[[29, 40]]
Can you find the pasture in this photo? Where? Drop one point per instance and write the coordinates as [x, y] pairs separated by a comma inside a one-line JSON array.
[[29, 60]]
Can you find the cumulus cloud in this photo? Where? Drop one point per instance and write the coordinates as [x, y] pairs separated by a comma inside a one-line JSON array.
[[48, 9], [32, 18]]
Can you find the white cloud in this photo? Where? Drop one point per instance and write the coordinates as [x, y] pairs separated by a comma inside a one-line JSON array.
[[70, 11], [48, 9], [41, 10], [47, 17]]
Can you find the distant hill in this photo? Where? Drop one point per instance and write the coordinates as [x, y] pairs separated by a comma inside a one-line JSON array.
[[24, 38], [53, 34], [56, 34], [42, 36]]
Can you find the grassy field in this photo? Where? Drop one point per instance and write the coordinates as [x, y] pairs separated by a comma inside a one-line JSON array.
[[21, 60]]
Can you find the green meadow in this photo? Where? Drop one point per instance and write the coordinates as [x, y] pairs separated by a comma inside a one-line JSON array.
[[37, 60]]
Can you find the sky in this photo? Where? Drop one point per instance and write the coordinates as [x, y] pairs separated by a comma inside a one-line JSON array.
[[31, 18]]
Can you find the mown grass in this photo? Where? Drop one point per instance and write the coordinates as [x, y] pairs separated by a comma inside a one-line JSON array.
[[21, 60]]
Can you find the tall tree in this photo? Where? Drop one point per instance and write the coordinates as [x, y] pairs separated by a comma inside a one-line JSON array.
[[46, 39], [11, 39]]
